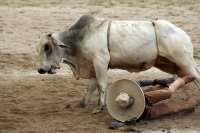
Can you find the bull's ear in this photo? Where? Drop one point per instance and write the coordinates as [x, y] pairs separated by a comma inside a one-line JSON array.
[[59, 43], [49, 35]]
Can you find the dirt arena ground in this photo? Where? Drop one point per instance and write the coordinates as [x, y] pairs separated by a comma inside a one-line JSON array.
[[34, 103]]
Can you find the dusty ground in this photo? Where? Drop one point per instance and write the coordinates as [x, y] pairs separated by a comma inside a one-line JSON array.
[[33, 103]]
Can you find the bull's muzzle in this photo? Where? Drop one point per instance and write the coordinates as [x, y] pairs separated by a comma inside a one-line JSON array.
[[41, 71], [51, 71]]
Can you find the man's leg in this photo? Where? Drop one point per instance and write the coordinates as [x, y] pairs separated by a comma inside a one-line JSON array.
[[173, 108]]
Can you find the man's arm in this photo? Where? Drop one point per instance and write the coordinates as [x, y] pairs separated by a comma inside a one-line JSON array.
[[162, 82], [145, 82]]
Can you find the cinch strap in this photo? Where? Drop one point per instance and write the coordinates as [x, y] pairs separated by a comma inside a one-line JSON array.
[[154, 25], [108, 33]]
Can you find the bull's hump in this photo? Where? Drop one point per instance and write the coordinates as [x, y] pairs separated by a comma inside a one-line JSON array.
[[83, 21]]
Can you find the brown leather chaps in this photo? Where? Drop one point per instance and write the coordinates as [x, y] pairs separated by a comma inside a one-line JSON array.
[[172, 108]]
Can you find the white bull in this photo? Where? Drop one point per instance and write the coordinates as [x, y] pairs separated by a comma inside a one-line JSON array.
[[94, 45]]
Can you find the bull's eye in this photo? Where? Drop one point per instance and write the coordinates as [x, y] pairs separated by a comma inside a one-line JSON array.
[[46, 47]]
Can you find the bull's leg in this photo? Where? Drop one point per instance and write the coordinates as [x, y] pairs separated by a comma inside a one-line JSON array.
[[175, 45], [190, 69], [182, 66], [197, 81], [91, 88], [101, 62]]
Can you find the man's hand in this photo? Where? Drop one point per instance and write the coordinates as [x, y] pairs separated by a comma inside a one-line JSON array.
[[132, 122]]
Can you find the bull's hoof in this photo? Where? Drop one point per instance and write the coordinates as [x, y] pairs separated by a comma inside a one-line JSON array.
[[80, 105], [97, 111]]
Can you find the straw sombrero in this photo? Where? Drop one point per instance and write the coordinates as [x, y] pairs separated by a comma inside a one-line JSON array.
[[125, 100]]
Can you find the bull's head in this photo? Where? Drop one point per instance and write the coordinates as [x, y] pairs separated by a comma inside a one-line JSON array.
[[50, 52]]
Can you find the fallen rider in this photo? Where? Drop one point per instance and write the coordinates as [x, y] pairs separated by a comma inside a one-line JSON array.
[[127, 103]]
